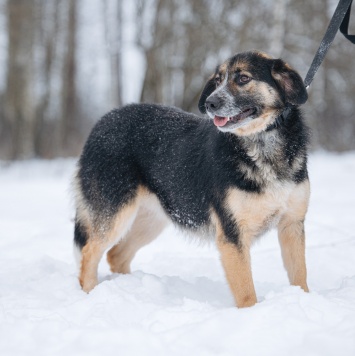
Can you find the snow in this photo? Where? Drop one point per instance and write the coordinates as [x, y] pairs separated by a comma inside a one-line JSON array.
[[176, 301]]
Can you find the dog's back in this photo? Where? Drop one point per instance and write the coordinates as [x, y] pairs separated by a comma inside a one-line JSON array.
[[159, 148]]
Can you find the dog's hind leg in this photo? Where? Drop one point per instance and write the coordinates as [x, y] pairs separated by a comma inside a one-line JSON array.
[[93, 239], [146, 227]]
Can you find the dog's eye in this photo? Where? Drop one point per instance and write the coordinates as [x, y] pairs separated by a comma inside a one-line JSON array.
[[243, 79]]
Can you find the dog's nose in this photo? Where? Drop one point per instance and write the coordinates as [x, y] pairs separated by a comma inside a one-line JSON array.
[[213, 104]]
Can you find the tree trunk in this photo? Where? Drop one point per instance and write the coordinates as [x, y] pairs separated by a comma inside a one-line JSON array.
[[69, 120], [19, 100]]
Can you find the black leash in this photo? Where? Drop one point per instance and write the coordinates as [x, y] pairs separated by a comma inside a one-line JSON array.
[[345, 26], [340, 20]]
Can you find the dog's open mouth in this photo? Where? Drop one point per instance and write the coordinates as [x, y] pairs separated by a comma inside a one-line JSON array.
[[221, 121]]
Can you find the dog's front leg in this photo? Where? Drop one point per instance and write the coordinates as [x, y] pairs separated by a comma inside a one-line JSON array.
[[236, 263], [292, 236], [292, 242]]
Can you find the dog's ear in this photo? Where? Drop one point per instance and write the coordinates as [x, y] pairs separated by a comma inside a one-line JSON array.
[[206, 92], [289, 82]]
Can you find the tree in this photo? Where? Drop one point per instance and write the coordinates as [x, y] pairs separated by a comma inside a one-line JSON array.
[[19, 108], [48, 103]]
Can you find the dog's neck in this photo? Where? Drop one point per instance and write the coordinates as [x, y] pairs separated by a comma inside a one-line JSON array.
[[268, 144], [265, 144], [281, 119], [266, 150]]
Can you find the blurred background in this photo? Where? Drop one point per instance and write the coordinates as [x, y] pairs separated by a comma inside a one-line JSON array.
[[65, 63]]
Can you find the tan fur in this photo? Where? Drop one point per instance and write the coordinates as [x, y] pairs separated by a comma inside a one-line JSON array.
[[292, 237], [148, 224], [223, 68], [277, 76], [254, 213], [264, 55], [236, 264], [268, 115], [257, 88], [240, 66], [258, 124], [90, 258], [268, 93], [101, 239]]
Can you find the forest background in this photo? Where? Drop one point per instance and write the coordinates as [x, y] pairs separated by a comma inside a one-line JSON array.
[[65, 63]]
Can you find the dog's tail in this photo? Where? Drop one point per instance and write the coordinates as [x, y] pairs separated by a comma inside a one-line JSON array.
[[80, 239]]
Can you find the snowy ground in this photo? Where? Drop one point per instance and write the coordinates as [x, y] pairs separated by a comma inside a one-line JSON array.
[[176, 302]]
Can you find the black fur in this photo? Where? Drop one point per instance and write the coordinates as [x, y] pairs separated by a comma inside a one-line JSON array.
[[80, 235], [178, 156], [290, 83]]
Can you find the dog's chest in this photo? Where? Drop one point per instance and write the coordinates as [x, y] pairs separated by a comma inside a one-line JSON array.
[[267, 164], [257, 212]]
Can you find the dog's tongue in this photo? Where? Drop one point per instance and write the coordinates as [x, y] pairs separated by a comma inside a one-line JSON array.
[[220, 121]]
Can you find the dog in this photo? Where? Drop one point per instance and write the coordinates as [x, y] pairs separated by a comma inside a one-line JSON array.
[[231, 175]]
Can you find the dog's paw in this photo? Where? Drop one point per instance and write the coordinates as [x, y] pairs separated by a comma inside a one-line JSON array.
[[88, 285]]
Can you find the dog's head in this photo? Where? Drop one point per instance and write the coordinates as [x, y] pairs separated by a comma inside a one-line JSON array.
[[249, 91]]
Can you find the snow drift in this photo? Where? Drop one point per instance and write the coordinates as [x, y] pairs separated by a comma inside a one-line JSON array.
[[176, 301]]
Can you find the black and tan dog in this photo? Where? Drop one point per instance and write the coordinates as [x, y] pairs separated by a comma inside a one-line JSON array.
[[233, 175]]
